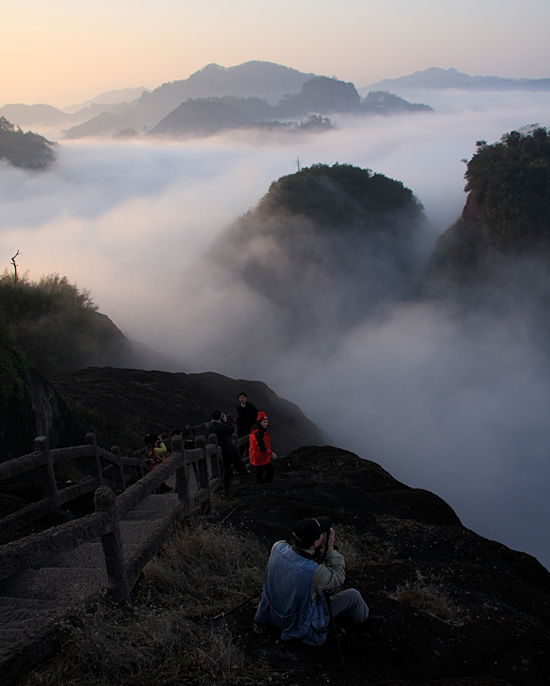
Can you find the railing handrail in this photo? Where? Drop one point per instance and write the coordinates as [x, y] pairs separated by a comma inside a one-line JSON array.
[[38, 548], [26, 463]]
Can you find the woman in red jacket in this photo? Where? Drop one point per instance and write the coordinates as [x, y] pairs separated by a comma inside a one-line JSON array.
[[260, 450]]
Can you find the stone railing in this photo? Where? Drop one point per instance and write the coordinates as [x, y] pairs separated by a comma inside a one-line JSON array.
[[38, 548], [108, 468]]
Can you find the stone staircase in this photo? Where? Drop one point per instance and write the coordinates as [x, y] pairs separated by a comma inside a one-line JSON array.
[[36, 603]]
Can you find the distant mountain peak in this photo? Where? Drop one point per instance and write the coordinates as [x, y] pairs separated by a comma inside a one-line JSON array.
[[438, 78]]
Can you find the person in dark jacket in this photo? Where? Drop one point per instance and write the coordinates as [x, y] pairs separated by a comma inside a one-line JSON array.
[[260, 452], [222, 428], [246, 416]]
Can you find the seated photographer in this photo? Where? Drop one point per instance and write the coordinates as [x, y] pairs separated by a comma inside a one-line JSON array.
[[300, 581]]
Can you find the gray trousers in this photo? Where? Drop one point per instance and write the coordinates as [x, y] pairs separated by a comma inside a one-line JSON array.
[[351, 604]]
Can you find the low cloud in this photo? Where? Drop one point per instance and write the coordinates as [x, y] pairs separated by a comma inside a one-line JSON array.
[[450, 401]]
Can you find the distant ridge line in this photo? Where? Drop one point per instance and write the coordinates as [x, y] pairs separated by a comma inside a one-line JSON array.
[[437, 78]]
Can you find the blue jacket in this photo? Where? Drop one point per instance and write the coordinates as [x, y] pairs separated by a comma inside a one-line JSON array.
[[286, 600]]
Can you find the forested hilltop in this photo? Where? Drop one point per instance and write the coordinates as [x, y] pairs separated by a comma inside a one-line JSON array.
[[506, 220], [351, 235], [57, 326], [28, 150], [510, 184]]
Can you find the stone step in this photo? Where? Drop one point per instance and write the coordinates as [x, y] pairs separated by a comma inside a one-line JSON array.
[[64, 585], [134, 533], [33, 600], [153, 506]]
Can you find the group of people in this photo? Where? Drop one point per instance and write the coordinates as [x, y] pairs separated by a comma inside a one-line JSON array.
[[252, 423]]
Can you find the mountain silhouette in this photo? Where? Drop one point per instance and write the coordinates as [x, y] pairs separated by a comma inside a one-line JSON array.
[[438, 78]]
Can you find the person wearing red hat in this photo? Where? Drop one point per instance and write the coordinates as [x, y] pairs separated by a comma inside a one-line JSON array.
[[259, 450]]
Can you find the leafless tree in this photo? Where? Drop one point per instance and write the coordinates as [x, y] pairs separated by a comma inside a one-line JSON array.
[[15, 276]]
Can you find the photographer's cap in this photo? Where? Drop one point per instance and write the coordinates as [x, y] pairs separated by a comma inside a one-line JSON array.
[[308, 530]]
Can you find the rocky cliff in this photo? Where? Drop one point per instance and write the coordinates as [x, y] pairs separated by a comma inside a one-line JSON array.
[[505, 224], [40, 412], [123, 405]]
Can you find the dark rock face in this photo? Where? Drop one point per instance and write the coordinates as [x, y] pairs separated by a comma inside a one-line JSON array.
[[41, 412], [123, 405], [506, 220], [460, 609], [462, 253]]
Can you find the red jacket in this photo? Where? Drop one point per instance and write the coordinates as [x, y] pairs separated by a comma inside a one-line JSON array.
[[259, 448]]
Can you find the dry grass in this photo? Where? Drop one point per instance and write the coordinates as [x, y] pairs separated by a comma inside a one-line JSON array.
[[169, 635], [362, 550], [429, 596]]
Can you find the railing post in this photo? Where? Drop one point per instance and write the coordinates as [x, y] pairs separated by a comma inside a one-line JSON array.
[[47, 474], [182, 475], [111, 542], [116, 451], [92, 440], [204, 481], [216, 461]]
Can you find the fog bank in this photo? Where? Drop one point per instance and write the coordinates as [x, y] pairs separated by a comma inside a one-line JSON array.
[[452, 402]]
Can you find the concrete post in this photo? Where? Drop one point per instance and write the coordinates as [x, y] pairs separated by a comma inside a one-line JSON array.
[[216, 461], [182, 475], [116, 451], [200, 442], [111, 542], [47, 474], [92, 440]]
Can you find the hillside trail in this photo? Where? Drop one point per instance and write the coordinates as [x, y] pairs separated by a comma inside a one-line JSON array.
[[35, 603]]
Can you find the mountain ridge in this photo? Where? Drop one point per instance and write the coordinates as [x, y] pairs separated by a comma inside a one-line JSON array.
[[438, 78]]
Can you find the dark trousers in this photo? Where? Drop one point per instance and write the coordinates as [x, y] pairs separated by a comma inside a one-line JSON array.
[[264, 473]]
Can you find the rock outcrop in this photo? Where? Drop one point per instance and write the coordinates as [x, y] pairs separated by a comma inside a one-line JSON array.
[[460, 609], [123, 405], [41, 412]]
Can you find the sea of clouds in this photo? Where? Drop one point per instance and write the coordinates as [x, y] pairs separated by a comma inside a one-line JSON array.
[[457, 404]]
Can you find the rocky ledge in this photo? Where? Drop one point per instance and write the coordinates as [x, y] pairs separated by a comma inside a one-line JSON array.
[[460, 609]]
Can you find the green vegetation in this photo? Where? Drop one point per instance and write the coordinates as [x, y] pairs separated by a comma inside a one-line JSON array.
[[13, 362], [510, 183], [51, 321], [339, 195], [27, 150]]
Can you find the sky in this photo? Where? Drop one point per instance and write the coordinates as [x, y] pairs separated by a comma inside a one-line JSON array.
[[458, 406], [63, 53]]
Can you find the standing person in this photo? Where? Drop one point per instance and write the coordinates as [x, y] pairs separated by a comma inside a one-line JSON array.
[[298, 577], [222, 428], [246, 416], [260, 452]]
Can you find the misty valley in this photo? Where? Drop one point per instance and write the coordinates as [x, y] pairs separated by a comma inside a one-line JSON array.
[[344, 268]]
